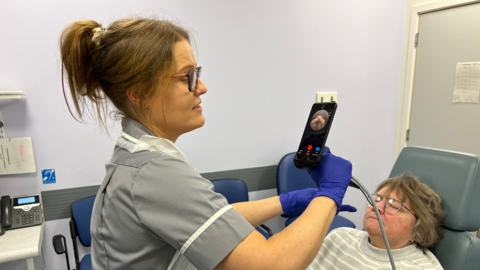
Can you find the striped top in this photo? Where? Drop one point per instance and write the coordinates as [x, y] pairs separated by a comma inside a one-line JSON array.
[[347, 248]]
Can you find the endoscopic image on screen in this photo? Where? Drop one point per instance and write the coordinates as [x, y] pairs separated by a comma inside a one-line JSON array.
[[319, 120]]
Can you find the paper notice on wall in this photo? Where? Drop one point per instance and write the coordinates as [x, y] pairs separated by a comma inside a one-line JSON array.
[[16, 156], [467, 83]]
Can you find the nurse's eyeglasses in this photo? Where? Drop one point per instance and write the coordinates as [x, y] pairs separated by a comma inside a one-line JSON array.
[[192, 78], [391, 206]]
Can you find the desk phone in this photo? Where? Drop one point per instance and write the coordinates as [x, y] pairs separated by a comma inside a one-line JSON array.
[[21, 211]]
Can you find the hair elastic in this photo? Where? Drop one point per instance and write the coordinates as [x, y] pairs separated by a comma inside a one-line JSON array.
[[103, 29], [97, 33]]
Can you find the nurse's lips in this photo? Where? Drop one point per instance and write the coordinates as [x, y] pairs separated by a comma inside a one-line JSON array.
[[198, 107]]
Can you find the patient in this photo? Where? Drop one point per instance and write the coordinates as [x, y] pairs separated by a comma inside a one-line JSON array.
[[412, 215]]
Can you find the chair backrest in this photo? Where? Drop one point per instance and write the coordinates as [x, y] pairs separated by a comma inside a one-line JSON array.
[[81, 215], [234, 190], [290, 178], [455, 177]]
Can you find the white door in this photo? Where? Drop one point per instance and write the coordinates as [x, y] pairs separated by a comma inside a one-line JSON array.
[[445, 38]]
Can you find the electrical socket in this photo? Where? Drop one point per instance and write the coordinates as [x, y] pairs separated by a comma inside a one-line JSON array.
[[327, 97]]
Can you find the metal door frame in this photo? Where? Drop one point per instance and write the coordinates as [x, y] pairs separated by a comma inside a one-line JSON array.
[[405, 96]]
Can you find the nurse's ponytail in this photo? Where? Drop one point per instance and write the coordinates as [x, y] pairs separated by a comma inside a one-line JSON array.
[[100, 63], [77, 53]]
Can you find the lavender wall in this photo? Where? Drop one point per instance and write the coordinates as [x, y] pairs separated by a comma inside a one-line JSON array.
[[263, 63]]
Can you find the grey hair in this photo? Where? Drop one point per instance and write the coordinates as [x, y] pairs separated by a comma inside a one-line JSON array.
[[425, 203]]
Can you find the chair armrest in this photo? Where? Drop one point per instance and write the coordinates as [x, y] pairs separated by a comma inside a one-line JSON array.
[[60, 247], [267, 229]]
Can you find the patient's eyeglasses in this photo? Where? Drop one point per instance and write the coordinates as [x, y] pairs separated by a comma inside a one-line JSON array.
[[391, 206], [192, 78]]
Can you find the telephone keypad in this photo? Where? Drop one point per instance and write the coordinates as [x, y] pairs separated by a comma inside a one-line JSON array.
[[25, 218]]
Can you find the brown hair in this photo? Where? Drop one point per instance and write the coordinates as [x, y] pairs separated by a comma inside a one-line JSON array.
[[131, 54], [424, 202]]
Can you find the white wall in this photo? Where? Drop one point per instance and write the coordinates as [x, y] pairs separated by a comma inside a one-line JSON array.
[[263, 63]]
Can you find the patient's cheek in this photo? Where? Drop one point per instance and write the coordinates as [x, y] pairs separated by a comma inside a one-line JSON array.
[[371, 226]]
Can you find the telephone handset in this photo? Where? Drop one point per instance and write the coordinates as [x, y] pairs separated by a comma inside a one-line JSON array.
[[6, 214], [21, 211]]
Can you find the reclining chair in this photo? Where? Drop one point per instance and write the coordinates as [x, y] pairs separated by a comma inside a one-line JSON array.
[[455, 177], [290, 178]]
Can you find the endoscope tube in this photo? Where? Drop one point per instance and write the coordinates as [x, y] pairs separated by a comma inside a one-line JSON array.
[[369, 197]]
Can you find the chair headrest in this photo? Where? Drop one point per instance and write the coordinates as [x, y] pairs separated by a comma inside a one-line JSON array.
[[455, 176]]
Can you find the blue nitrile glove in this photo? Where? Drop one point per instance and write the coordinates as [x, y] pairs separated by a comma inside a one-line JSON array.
[[347, 208], [302, 198], [296, 199], [332, 176]]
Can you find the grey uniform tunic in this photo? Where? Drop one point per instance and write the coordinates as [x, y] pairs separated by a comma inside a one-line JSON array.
[[152, 204]]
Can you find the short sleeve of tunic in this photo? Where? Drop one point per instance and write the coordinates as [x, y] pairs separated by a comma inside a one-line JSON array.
[[178, 205]]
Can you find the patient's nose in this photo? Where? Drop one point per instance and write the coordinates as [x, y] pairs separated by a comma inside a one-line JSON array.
[[381, 207]]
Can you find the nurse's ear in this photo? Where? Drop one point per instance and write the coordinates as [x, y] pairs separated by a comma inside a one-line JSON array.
[[133, 95]]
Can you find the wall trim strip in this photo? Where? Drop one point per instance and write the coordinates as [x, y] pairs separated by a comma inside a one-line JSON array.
[[56, 203]]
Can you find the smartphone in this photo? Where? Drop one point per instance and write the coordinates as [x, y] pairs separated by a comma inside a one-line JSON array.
[[315, 135]]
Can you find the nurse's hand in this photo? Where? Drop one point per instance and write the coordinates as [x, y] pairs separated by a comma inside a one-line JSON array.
[[302, 198], [297, 199], [347, 208], [332, 176]]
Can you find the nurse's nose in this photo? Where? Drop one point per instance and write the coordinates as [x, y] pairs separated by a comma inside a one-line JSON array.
[[201, 88]]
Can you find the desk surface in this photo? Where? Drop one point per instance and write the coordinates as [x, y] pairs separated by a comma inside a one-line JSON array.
[[21, 243]]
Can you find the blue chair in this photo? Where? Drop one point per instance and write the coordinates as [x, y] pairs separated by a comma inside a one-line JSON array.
[[235, 190], [455, 177], [81, 214], [290, 178], [80, 227]]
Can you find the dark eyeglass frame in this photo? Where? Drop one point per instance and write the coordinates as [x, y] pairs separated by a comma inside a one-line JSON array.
[[192, 78], [390, 201]]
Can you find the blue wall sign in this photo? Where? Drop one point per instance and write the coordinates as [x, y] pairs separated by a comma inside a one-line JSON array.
[[48, 176]]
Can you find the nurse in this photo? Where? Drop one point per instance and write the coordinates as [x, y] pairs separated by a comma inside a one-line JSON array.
[[153, 210]]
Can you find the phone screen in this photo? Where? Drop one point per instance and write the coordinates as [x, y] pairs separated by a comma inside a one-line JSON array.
[[19, 201], [26, 200], [315, 135]]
